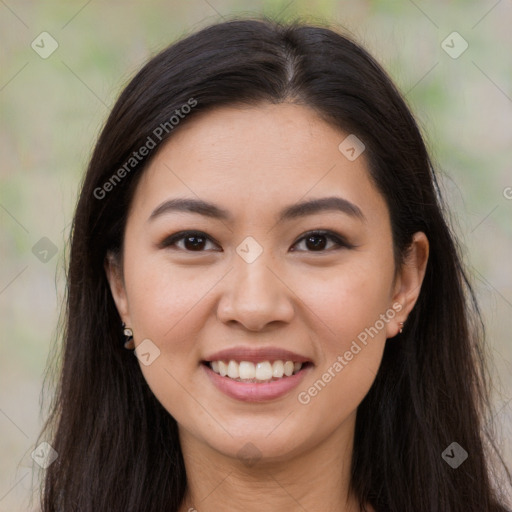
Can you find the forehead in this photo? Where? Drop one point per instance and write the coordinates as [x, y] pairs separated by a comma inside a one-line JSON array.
[[254, 159]]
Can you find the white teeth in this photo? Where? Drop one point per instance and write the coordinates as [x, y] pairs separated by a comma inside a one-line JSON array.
[[278, 369], [223, 368], [288, 368], [233, 372], [261, 371], [247, 370]]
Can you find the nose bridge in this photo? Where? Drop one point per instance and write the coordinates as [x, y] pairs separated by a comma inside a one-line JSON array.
[[255, 295]]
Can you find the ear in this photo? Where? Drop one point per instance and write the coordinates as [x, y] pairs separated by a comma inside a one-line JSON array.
[[114, 272], [409, 280]]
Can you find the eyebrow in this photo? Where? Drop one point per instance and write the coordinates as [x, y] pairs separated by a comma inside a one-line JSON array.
[[303, 209]]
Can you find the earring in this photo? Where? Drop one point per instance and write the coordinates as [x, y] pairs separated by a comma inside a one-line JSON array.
[[401, 327], [129, 343]]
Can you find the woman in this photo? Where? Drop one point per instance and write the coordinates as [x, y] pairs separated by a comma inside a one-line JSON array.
[[261, 228]]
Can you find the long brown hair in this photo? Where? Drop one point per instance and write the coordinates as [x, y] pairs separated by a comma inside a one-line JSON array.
[[118, 448]]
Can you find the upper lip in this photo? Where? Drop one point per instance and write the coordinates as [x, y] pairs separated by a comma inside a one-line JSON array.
[[255, 355]]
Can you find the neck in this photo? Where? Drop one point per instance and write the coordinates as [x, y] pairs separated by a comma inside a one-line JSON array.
[[314, 478]]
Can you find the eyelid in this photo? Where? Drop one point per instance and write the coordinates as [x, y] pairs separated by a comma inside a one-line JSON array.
[[338, 239], [180, 235]]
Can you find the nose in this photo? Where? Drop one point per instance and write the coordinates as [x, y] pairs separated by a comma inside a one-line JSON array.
[[255, 295]]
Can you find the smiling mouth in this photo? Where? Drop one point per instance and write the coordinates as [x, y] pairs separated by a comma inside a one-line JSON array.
[[260, 372]]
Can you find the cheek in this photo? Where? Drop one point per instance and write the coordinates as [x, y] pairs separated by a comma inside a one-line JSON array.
[[353, 311], [163, 296], [351, 301], [339, 387], [164, 305]]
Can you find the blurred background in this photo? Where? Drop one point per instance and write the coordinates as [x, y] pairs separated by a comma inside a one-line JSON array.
[[63, 64]]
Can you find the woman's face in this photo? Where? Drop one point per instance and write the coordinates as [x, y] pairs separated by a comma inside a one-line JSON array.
[[253, 282]]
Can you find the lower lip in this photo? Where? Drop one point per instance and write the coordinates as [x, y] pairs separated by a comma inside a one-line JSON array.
[[254, 392]]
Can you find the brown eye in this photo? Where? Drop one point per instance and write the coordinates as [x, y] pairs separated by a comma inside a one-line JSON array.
[[316, 241], [193, 241]]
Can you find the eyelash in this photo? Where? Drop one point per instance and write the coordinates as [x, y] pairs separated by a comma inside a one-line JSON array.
[[337, 239]]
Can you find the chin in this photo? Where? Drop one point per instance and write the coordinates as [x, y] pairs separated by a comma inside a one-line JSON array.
[[256, 446]]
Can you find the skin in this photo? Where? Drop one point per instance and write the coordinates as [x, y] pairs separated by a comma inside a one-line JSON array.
[[253, 161]]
